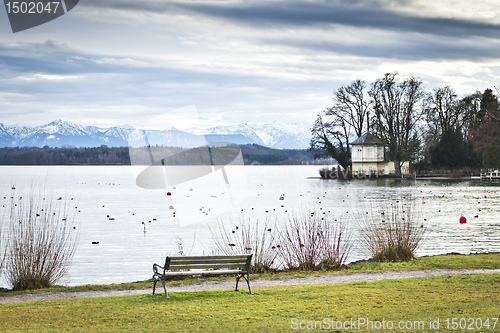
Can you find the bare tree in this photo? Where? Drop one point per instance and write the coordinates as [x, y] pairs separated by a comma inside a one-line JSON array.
[[396, 116], [442, 112], [470, 105], [350, 106], [333, 126], [486, 128], [445, 112], [331, 138]]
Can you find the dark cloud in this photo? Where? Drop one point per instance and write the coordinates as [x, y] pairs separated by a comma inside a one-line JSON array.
[[50, 58], [136, 6], [369, 16], [412, 36], [375, 14], [406, 50]]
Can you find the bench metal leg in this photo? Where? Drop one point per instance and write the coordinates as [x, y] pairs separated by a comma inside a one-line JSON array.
[[155, 279], [247, 278]]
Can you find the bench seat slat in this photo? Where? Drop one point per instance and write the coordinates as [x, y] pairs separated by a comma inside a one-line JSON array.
[[208, 258], [222, 271], [188, 260], [177, 267]]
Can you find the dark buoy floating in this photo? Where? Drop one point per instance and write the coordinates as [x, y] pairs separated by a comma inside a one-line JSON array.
[[462, 220]]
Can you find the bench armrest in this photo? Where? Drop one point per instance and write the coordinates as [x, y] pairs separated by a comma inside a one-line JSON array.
[[155, 270]]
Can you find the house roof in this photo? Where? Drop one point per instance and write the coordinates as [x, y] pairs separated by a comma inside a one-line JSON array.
[[366, 139]]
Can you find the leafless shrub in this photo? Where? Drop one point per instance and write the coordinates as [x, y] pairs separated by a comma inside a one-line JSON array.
[[181, 251], [2, 240], [248, 237], [337, 244], [393, 233], [314, 240], [41, 241], [336, 172]]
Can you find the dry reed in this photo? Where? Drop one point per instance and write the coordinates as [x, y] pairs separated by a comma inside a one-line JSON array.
[[314, 241], [248, 237], [393, 233], [40, 242]]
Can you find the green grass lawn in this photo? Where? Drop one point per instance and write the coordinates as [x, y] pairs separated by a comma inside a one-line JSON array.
[[411, 302], [476, 261]]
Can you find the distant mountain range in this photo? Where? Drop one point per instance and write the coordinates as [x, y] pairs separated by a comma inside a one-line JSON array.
[[65, 134]]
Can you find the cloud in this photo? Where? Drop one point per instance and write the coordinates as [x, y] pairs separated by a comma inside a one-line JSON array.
[[52, 46], [368, 16], [239, 60], [400, 16], [389, 29], [82, 86], [409, 47]]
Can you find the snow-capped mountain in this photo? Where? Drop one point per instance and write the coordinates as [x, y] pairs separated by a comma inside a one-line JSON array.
[[273, 135], [62, 133]]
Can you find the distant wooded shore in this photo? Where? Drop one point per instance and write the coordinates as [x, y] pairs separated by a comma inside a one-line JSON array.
[[252, 154]]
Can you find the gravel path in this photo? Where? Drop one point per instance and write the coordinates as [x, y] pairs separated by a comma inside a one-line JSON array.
[[215, 285]]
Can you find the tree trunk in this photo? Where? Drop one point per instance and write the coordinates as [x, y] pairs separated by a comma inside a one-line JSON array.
[[397, 168]]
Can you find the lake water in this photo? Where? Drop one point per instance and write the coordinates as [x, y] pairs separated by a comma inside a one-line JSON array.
[[127, 248]]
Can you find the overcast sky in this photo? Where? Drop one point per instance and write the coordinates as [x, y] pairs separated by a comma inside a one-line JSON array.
[[114, 62]]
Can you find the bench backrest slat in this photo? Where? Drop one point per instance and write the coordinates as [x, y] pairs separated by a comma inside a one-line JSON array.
[[208, 262], [206, 258], [206, 266], [191, 261]]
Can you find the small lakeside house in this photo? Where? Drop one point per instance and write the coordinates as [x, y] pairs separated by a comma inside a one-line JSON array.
[[368, 157]]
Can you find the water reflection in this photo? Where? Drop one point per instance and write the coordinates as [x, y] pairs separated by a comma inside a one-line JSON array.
[[192, 207]]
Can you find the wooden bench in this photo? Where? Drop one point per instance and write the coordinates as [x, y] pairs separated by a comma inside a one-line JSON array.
[[203, 265]]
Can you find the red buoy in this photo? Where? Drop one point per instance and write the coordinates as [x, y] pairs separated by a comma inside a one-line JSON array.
[[169, 193], [485, 197], [463, 219]]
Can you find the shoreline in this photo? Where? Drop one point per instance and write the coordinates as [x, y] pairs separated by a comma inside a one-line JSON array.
[[401, 178], [264, 283], [430, 269]]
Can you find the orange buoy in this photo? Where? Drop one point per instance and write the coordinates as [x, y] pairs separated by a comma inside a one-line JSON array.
[[423, 202], [463, 219]]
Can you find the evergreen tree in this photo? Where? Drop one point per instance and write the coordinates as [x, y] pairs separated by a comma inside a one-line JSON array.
[[453, 151]]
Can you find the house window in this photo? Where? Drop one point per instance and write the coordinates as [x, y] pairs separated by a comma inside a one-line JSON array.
[[370, 152], [360, 152], [370, 169]]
